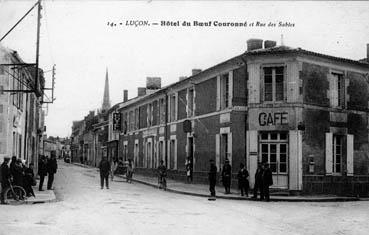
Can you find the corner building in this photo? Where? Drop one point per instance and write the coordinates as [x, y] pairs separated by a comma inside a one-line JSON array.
[[303, 112]]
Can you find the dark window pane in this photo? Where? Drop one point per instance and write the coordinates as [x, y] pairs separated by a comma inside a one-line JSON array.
[[283, 158], [268, 71], [283, 148], [283, 136], [279, 78], [279, 91], [338, 168], [264, 136], [268, 79], [279, 70], [283, 168], [264, 148], [273, 136], [268, 92], [264, 158]]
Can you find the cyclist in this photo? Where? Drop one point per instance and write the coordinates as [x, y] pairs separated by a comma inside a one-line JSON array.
[[162, 174], [5, 176]]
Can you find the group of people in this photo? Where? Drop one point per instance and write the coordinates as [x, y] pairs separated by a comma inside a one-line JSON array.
[[115, 167], [18, 174], [47, 167], [263, 179]]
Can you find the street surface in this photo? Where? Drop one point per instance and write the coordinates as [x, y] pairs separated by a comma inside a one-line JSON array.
[[83, 208]]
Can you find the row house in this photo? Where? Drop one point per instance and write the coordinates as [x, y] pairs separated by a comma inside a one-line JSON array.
[[303, 112], [21, 115]]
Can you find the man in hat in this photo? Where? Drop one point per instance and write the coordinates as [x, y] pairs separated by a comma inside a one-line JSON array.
[[267, 181], [212, 174], [226, 176], [258, 186], [5, 175]]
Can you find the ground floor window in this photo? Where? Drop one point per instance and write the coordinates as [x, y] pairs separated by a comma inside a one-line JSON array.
[[274, 150], [135, 154]]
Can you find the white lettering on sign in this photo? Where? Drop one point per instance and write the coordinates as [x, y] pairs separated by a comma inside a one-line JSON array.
[[272, 119]]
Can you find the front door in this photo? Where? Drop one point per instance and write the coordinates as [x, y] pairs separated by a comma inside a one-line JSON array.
[[274, 150]]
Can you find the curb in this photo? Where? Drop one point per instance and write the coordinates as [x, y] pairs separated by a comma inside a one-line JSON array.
[[272, 199]]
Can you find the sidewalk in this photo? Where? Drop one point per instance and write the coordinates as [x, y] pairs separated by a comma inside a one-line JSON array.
[[41, 197], [202, 190]]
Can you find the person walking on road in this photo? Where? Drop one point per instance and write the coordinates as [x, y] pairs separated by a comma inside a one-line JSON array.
[[243, 183], [162, 174], [52, 166], [104, 167], [226, 176], [258, 186], [267, 181], [129, 171], [4, 177], [212, 174], [42, 171]]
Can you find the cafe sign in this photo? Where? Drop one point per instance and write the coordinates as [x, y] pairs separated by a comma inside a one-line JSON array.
[[273, 118]]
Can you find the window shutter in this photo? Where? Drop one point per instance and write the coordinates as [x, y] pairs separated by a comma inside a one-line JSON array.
[[328, 153], [262, 85], [217, 150], [230, 88], [285, 82], [218, 93], [350, 155]]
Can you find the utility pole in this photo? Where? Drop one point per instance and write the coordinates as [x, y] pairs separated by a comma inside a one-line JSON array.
[[37, 45]]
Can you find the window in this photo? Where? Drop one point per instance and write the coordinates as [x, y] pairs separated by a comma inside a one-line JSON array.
[[162, 111], [149, 114], [172, 154], [337, 153], [135, 154], [131, 120], [274, 150], [148, 154], [223, 149], [224, 91], [190, 103], [273, 83], [337, 90], [172, 112], [137, 119]]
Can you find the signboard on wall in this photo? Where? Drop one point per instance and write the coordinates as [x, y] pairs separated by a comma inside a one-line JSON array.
[[117, 121]]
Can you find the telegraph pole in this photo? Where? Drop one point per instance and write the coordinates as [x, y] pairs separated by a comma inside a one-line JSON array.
[[37, 44]]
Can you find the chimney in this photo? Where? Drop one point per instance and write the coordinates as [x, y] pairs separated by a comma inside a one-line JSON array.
[[153, 83], [141, 91], [196, 71], [269, 44], [125, 95], [182, 78], [254, 43], [367, 52]]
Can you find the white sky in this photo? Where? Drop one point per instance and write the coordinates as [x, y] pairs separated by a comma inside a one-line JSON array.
[[75, 36]]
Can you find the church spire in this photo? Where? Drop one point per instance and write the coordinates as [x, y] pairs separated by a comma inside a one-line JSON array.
[[106, 99]]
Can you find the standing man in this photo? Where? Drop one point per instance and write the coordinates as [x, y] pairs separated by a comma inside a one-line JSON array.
[[52, 166], [42, 171], [258, 186], [226, 176], [243, 183], [104, 167], [5, 175], [267, 181], [212, 179]]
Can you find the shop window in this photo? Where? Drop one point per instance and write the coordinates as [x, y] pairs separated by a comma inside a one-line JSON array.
[[172, 152], [337, 153], [224, 91], [273, 83], [274, 150]]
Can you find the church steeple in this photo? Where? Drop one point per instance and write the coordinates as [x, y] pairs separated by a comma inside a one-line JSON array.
[[106, 99]]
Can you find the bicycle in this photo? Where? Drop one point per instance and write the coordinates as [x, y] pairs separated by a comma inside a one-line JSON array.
[[14, 194]]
